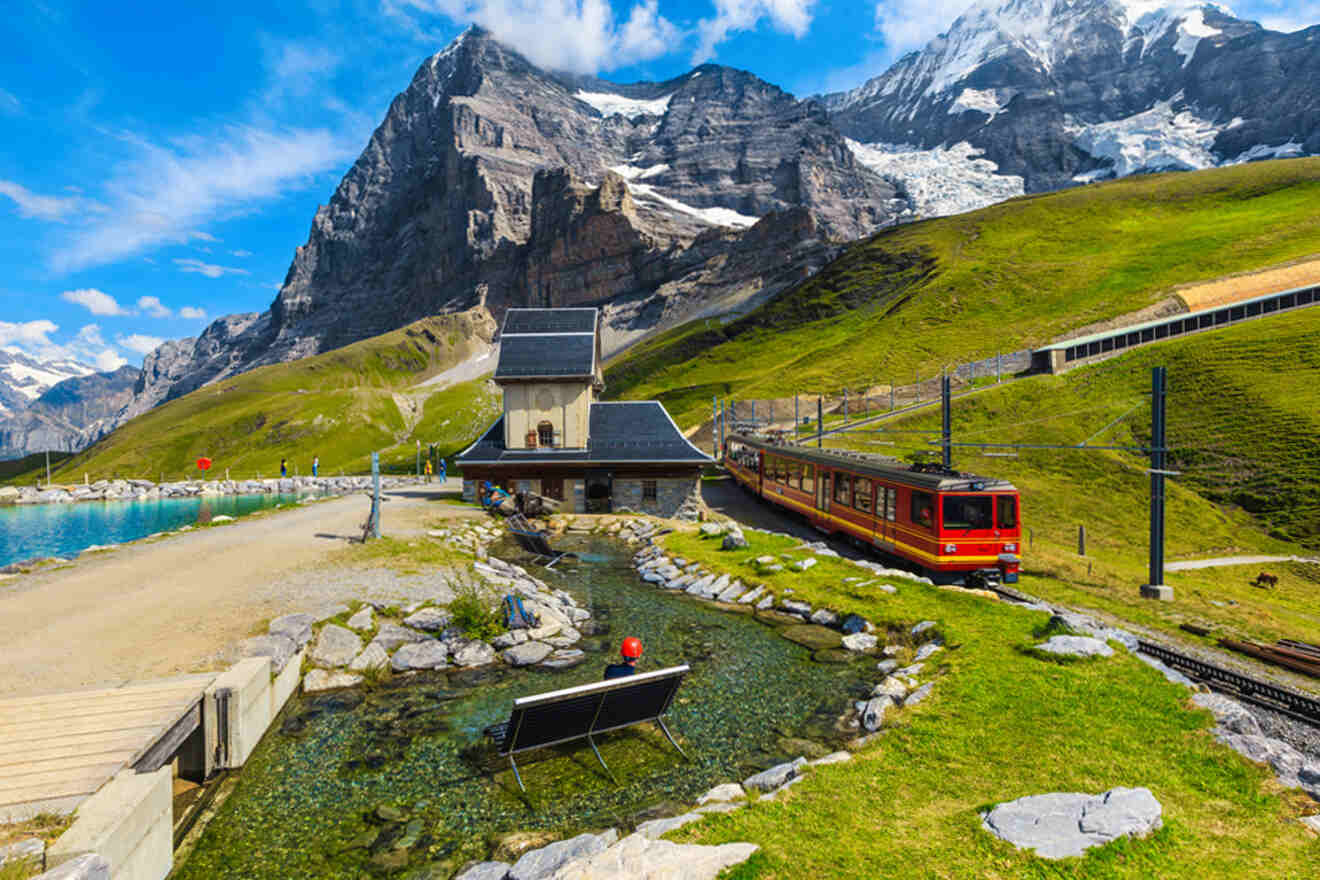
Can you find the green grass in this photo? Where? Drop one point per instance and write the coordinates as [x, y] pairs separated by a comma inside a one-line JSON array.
[[1244, 424], [1002, 724], [340, 406], [918, 297]]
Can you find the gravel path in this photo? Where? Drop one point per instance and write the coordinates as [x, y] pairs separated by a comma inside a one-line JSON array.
[[179, 605], [1190, 564]]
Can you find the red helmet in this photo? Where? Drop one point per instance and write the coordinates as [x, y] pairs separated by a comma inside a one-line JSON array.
[[632, 648]]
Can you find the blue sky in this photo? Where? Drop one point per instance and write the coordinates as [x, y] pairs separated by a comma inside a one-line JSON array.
[[160, 162]]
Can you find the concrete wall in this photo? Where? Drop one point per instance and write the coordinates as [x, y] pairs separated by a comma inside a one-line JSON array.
[[670, 493], [566, 405], [255, 697], [129, 823]]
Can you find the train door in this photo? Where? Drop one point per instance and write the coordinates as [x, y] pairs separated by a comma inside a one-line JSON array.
[[824, 491], [881, 533]]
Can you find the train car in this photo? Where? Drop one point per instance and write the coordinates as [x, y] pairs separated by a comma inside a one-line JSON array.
[[955, 527]]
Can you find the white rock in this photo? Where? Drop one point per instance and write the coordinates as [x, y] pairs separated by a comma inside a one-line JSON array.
[[32, 849], [430, 654], [773, 777], [729, 791], [832, 758], [474, 653], [1064, 825], [873, 714], [319, 680], [429, 619], [891, 687], [527, 653], [373, 656], [860, 642], [335, 646], [391, 636], [926, 650], [637, 857], [656, 828], [364, 619], [1070, 646], [547, 860], [294, 626]]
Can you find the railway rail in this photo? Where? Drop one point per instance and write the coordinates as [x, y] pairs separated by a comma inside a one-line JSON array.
[[1270, 696]]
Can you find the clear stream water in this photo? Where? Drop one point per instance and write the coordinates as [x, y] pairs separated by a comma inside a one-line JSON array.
[[28, 531], [397, 781]]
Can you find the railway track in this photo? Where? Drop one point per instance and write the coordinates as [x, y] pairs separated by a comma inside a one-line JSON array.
[[1286, 702]]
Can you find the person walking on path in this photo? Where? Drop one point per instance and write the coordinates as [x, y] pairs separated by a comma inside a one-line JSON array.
[[316, 465], [427, 470], [442, 470], [284, 467]]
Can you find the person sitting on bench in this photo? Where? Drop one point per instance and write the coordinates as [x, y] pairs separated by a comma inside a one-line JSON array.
[[631, 653]]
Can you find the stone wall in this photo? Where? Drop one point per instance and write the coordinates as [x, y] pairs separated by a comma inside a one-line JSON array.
[[670, 495]]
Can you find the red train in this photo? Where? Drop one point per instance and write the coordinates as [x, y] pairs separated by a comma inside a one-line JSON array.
[[955, 527]]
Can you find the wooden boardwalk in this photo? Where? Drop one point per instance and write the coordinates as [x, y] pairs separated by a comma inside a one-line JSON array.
[[58, 749]]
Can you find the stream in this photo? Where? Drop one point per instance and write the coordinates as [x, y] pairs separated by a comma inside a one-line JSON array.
[[397, 781]]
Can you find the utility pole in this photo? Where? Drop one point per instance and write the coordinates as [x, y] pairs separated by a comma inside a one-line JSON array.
[[47, 467], [419, 458], [999, 368], [845, 406], [714, 427], [796, 420], [820, 423], [1156, 588], [945, 393], [375, 494], [891, 395]]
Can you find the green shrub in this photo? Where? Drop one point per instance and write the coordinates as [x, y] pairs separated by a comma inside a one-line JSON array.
[[474, 615]]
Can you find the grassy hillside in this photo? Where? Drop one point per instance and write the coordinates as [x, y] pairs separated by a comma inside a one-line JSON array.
[[340, 405], [1244, 424], [1017, 274], [11, 468]]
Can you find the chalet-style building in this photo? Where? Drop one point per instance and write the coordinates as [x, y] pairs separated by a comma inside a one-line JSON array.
[[557, 440]]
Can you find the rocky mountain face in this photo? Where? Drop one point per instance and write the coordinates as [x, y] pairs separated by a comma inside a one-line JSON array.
[[70, 415], [1052, 93], [24, 378], [492, 182]]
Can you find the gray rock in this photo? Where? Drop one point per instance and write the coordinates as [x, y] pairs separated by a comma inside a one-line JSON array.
[[776, 792], [297, 627], [319, 680], [887, 666], [429, 619], [1063, 825], [751, 596], [832, 758], [887, 588], [280, 649], [373, 656], [564, 658], [527, 653], [1287, 762], [711, 529], [922, 627], [765, 560], [509, 639], [429, 654], [926, 650], [1169, 673], [729, 791], [731, 592], [792, 606], [544, 862], [824, 617], [765, 602], [920, 694], [1230, 714], [391, 636], [873, 714], [484, 871], [891, 687], [1312, 822], [803, 564], [85, 867], [335, 646], [362, 620], [773, 777], [734, 540], [860, 642], [638, 857], [474, 653], [1075, 646], [659, 827], [912, 670]]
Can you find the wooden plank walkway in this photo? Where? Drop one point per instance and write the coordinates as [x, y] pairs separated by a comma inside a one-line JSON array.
[[58, 749]]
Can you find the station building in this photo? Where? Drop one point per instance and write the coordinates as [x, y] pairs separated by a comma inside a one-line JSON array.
[[556, 439]]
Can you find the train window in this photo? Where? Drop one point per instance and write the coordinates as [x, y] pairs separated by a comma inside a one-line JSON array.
[[891, 504], [808, 478], [862, 494], [843, 489], [967, 511], [1007, 508], [923, 509], [795, 474]]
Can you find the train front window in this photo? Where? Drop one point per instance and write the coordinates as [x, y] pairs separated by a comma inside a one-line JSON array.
[[1007, 507], [968, 511]]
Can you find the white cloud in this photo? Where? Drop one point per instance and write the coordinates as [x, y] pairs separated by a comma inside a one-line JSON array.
[[240, 253], [153, 307], [94, 301], [202, 236], [580, 36], [192, 313], [55, 209], [87, 346], [165, 191], [210, 270], [140, 343], [1290, 16], [788, 16], [911, 24], [297, 69]]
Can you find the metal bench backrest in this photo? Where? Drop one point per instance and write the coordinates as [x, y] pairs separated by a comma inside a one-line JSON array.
[[578, 712]]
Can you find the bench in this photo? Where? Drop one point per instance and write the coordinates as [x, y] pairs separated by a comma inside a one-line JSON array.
[[584, 711]]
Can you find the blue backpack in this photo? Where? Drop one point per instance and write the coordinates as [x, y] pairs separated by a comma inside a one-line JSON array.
[[516, 616]]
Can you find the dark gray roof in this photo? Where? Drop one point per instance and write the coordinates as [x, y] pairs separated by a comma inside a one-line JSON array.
[[631, 432], [549, 321], [547, 356]]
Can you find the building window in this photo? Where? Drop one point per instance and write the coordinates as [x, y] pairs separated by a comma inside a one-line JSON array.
[[545, 435], [648, 490]]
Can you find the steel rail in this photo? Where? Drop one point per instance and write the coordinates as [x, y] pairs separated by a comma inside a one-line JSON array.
[[1278, 699]]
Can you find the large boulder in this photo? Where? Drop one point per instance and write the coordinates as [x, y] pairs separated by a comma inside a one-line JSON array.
[[639, 857], [474, 653], [1230, 714], [319, 680], [335, 646], [1064, 824], [297, 627], [544, 862], [364, 619], [527, 653], [1075, 646], [428, 654], [373, 656], [280, 649], [484, 871], [873, 713], [860, 642], [774, 777], [391, 636], [429, 619]]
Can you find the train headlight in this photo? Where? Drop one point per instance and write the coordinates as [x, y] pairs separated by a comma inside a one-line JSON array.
[[950, 548], [1010, 548]]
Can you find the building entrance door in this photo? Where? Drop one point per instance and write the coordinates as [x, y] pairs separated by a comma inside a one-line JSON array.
[[599, 490], [553, 488]]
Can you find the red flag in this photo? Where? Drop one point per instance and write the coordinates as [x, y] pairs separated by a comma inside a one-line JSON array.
[[204, 464]]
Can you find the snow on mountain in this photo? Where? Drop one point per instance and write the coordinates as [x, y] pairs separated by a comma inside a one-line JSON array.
[[941, 181], [1158, 139], [991, 102], [645, 192], [618, 105], [30, 377]]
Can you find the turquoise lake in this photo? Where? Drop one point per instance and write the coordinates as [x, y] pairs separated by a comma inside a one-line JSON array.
[[35, 530]]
